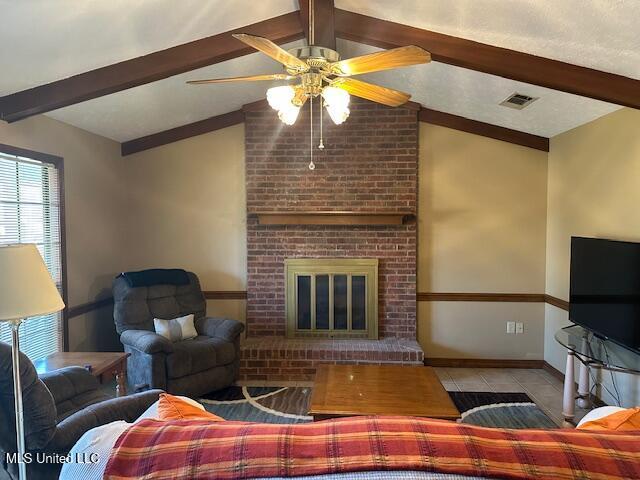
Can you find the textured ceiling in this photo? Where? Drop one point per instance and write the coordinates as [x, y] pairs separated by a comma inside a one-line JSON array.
[[477, 95], [68, 37], [46, 40], [601, 34]]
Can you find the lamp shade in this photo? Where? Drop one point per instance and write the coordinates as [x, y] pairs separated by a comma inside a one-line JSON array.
[[26, 288]]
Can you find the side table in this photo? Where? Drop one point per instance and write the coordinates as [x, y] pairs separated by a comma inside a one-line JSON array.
[[104, 365]]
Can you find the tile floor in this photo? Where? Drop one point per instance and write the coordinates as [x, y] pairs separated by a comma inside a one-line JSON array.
[[543, 388]]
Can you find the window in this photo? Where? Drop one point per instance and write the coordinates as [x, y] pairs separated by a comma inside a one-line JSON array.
[[30, 212]]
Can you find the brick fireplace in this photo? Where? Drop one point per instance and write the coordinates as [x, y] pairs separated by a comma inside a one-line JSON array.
[[369, 165]]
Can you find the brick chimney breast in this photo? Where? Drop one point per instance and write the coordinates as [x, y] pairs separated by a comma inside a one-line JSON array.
[[369, 164]]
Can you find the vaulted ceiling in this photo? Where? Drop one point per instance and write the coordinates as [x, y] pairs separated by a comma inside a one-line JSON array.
[[45, 41]]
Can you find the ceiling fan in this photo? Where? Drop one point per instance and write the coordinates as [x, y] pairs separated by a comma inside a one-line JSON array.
[[319, 71]]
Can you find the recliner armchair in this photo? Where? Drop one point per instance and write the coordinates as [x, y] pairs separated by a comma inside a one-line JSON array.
[[209, 362], [59, 407]]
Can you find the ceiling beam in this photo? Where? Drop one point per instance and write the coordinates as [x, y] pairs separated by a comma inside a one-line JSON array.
[[425, 115], [148, 68], [180, 133], [476, 127], [485, 58], [255, 106], [322, 12]]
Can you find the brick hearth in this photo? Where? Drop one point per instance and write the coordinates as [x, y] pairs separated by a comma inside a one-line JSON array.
[[370, 164], [295, 359]]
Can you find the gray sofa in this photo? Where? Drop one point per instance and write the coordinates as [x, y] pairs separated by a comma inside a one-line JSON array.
[[192, 367], [59, 407]]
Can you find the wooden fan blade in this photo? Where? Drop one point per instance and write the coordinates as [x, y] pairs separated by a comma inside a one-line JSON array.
[[374, 62], [251, 78], [375, 93], [267, 47]]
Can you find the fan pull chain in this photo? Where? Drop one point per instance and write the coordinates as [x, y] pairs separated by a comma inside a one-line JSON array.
[[312, 166], [321, 144]]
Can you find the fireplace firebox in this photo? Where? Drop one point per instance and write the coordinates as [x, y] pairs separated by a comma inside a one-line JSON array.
[[332, 297]]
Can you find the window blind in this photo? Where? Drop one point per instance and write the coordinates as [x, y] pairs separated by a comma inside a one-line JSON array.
[[30, 213]]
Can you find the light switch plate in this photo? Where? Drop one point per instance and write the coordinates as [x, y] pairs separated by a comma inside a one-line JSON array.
[[519, 327]]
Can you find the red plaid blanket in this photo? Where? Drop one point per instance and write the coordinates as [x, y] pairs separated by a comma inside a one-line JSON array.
[[199, 449]]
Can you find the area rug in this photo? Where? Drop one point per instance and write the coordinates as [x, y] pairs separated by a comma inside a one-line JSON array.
[[290, 405], [502, 410], [260, 404]]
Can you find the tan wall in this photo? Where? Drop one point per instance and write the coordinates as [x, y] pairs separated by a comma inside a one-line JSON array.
[[594, 191], [95, 203], [181, 205], [187, 210], [482, 220], [481, 227]]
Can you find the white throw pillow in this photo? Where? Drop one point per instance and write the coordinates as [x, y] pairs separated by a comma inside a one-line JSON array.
[[176, 329]]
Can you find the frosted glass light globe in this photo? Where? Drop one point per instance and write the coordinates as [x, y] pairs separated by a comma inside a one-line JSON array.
[[289, 114], [337, 104], [336, 96], [338, 114], [280, 98]]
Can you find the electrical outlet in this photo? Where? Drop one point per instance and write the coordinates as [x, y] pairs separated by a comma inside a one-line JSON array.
[[519, 327], [511, 327]]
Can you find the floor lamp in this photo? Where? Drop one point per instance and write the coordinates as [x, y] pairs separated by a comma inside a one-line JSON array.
[[26, 290]]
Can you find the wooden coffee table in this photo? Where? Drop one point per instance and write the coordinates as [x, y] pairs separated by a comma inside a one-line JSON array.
[[347, 390], [104, 365]]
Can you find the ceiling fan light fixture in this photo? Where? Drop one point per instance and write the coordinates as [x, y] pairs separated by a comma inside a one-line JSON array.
[[336, 101], [315, 65]]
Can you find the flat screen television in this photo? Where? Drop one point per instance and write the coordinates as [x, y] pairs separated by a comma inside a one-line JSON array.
[[605, 289]]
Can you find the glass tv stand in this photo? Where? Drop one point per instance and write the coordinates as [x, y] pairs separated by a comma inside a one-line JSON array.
[[591, 351]]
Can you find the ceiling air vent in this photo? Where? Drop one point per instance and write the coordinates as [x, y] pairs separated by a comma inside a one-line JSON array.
[[518, 101]]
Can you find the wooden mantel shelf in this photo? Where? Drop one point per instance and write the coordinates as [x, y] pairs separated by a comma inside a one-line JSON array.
[[334, 218]]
